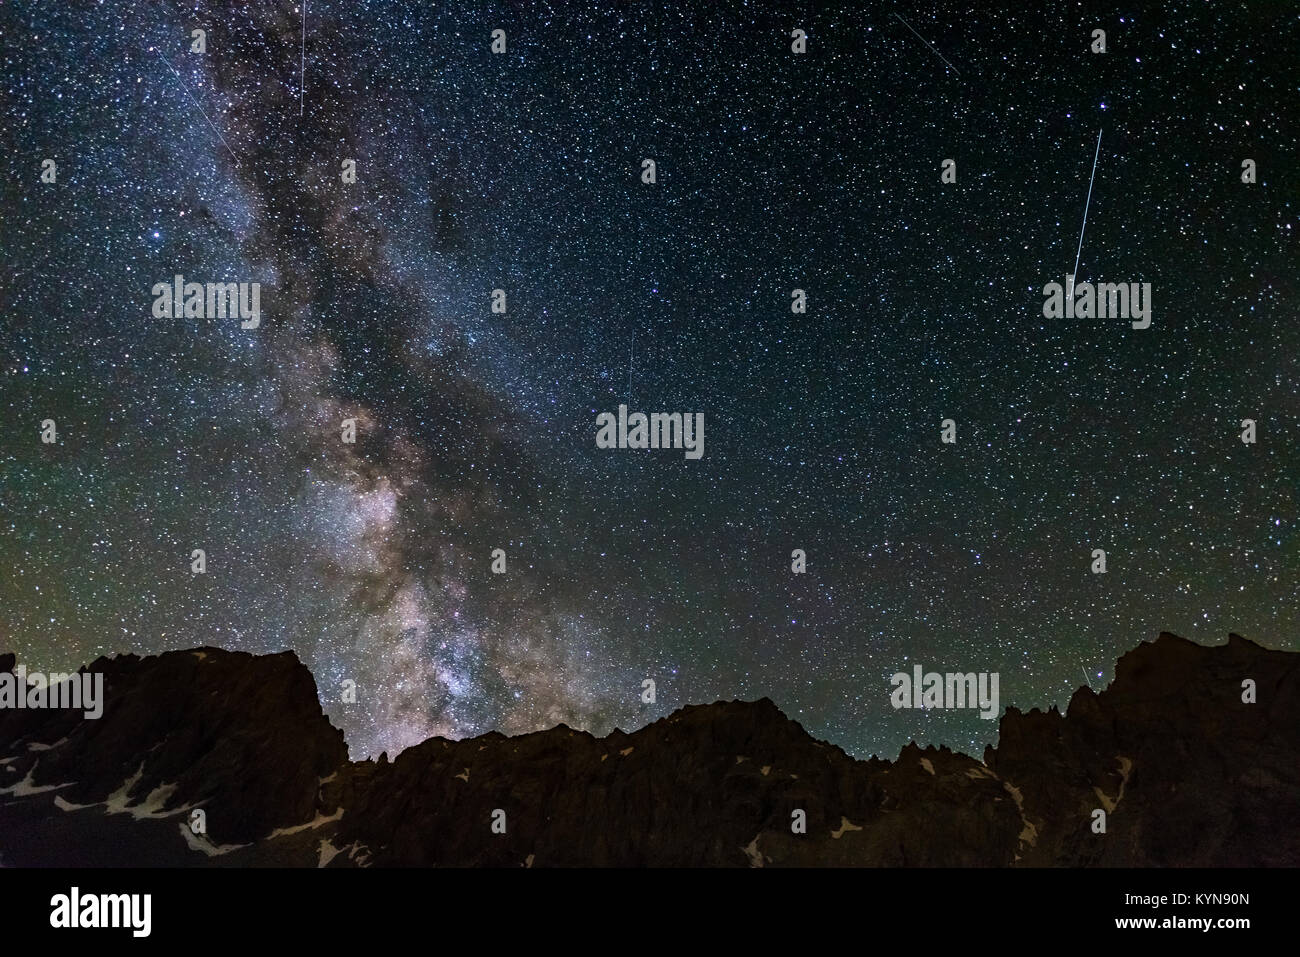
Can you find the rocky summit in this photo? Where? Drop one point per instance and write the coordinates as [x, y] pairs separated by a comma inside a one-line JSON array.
[[1191, 757]]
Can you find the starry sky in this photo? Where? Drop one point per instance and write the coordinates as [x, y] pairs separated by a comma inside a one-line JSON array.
[[521, 171]]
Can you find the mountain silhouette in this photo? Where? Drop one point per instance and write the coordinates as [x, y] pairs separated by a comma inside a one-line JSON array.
[[1187, 766]]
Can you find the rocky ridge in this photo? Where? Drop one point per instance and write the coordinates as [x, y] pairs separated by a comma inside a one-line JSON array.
[[1187, 773]]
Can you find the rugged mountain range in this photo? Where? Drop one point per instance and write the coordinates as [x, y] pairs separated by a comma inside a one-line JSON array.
[[1187, 770]]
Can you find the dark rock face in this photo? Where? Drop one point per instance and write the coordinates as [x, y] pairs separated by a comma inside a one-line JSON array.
[[1185, 771], [240, 736], [1196, 776]]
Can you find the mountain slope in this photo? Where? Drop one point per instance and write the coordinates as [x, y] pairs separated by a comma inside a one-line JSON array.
[[1185, 771]]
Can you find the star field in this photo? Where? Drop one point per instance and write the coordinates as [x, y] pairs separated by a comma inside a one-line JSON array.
[[522, 171]]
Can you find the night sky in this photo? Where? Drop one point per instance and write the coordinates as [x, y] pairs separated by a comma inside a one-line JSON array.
[[476, 430]]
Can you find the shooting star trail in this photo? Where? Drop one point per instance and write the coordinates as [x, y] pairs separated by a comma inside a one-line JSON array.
[[1085, 676], [927, 43], [302, 73], [1091, 179], [199, 108], [630, 347]]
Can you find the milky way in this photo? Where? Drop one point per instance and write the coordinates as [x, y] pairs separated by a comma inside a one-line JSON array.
[[521, 171]]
